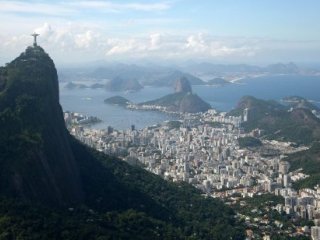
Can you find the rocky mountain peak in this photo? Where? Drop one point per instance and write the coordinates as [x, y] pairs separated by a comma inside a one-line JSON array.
[[36, 160], [182, 85]]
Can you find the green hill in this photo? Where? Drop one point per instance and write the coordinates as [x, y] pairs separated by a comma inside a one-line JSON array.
[[299, 125], [309, 161], [53, 187]]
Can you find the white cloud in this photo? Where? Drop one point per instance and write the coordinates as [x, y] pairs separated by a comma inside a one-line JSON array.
[[45, 31], [84, 40], [206, 45], [196, 43], [155, 41], [170, 46], [77, 42], [119, 46]]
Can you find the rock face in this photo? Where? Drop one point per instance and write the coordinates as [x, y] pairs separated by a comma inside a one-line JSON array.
[[182, 85], [192, 103], [36, 159]]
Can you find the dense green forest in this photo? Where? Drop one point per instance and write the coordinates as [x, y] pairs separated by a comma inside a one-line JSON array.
[[309, 161], [249, 142]]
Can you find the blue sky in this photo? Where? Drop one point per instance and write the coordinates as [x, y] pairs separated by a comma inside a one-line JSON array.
[[235, 31]]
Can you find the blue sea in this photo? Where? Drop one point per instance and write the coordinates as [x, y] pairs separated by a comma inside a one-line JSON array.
[[223, 98]]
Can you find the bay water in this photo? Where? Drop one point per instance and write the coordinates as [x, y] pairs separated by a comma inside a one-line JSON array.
[[223, 98]]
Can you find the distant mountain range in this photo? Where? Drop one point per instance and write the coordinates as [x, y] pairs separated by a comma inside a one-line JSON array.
[[146, 76], [123, 84], [209, 70], [196, 73], [115, 85]]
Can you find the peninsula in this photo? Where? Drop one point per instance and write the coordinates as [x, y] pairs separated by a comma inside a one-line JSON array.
[[181, 101]]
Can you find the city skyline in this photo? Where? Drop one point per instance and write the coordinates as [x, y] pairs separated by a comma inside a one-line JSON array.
[[215, 31]]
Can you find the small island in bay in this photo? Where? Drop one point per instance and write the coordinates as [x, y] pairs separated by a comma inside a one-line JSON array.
[[218, 82], [117, 100], [72, 85]]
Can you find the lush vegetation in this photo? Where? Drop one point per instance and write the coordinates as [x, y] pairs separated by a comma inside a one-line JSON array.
[[260, 217], [174, 124], [309, 161], [246, 142], [24, 221]]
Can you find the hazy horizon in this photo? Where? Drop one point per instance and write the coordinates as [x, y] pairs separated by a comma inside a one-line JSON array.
[[227, 32]]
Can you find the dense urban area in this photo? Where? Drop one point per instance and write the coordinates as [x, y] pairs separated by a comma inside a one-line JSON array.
[[212, 152]]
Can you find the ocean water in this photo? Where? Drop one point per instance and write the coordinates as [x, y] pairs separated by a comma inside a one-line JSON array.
[[91, 102], [223, 98]]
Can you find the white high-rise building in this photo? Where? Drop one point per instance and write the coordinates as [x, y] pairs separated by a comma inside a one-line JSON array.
[[246, 114], [284, 167], [315, 233], [286, 180]]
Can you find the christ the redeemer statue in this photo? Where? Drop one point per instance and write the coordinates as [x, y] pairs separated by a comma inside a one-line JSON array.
[[35, 35]]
